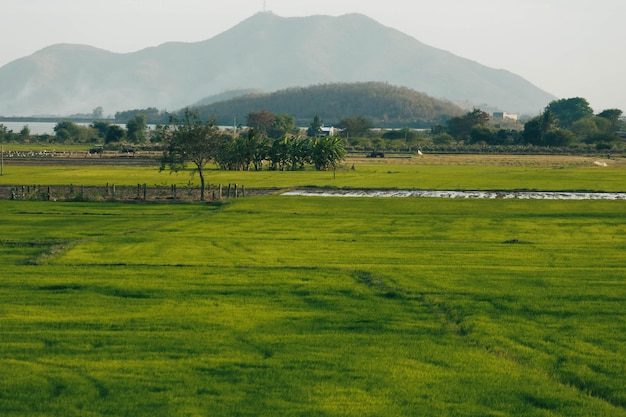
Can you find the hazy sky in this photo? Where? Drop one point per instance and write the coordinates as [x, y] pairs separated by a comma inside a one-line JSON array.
[[570, 48]]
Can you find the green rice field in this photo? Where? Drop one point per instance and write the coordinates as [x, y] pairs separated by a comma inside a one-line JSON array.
[[311, 306], [451, 172]]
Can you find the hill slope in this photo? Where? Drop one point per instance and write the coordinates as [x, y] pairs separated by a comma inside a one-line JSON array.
[[265, 52], [383, 104]]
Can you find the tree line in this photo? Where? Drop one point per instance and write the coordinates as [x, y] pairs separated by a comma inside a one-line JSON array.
[[563, 123], [191, 140]]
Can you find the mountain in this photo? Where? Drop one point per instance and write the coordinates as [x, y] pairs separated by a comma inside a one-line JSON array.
[[264, 52], [381, 103]]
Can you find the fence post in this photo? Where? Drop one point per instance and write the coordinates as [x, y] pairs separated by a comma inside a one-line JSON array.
[[220, 194], [243, 190], [236, 191], [228, 195], [113, 192], [145, 191], [48, 194], [174, 190]]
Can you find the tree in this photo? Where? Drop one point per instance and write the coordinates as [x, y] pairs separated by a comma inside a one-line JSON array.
[[537, 127], [315, 128], [4, 132], [261, 121], [70, 132], [597, 130], [406, 134], [136, 128], [24, 134], [189, 140], [282, 125], [614, 116], [482, 134], [327, 152], [101, 128], [557, 137], [355, 126], [461, 127], [569, 110], [97, 113], [114, 134]]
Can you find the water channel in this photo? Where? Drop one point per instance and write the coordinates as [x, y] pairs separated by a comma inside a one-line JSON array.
[[522, 195]]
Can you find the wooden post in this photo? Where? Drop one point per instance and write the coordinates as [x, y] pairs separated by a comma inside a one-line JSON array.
[[174, 190], [243, 190], [145, 191], [107, 189], [228, 195], [236, 191], [113, 192], [220, 193], [48, 194]]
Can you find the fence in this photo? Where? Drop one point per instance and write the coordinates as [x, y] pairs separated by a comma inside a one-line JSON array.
[[112, 192]]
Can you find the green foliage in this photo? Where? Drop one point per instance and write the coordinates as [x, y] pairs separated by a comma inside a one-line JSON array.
[[152, 114], [189, 140], [315, 128], [242, 152], [282, 306], [327, 152], [115, 134], [282, 125], [102, 128], [558, 137], [261, 121], [569, 110], [461, 127], [614, 116], [381, 103], [274, 126], [70, 132], [355, 126], [552, 127], [136, 129]]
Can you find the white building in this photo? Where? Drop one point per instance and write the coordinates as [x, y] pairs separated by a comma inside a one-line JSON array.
[[500, 115]]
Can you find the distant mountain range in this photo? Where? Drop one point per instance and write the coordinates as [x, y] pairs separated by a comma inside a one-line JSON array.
[[265, 52]]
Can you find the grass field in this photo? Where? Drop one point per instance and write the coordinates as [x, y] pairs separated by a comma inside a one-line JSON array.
[[293, 306], [451, 172]]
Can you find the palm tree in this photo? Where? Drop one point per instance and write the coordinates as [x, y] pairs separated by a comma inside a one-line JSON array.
[[327, 152]]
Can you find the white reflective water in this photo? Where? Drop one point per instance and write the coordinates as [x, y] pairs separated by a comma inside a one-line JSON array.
[[522, 195]]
